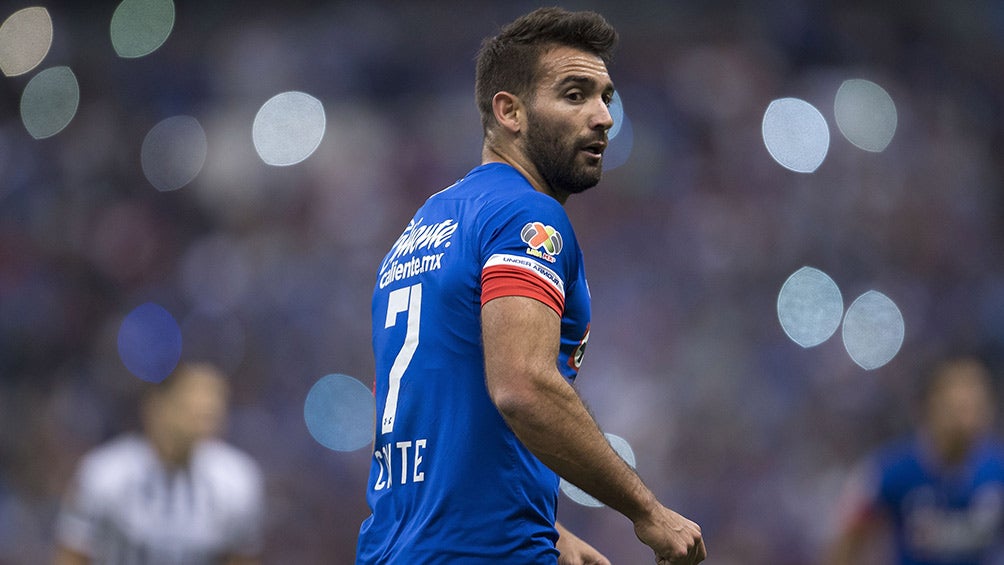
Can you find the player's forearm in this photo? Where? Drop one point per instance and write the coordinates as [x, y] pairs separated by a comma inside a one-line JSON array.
[[551, 420], [544, 411]]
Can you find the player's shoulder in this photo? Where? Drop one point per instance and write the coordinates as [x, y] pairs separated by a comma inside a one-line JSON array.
[[223, 454], [496, 175], [228, 465], [123, 451], [114, 462], [496, 198], [991, 452], [498, 184], [898, 455]]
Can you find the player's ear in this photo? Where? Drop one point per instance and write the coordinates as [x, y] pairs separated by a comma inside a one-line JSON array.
[[508, 110]]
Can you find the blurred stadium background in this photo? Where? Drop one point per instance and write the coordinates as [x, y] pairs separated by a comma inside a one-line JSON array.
[[268, 269]]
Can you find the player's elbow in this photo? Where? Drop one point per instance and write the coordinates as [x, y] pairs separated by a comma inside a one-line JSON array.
[[518, 393], [511, 402]]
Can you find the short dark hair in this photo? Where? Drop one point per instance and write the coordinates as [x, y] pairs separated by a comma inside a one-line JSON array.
[[510, 60]]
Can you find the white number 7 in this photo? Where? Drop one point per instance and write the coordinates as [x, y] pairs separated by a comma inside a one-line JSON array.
[[403, 299]]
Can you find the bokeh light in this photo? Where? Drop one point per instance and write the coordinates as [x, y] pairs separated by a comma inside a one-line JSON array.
[[873, 330], [340, 413], [288, 128], [25, 39], [617, 113], [173, 152], [149, 342], [796, 134], [865, 114], [49, 102], [809, 307], [140, 27], [579, 496], [619, 149]]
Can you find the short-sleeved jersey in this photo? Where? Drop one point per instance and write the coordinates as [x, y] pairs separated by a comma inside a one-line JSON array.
[[124, 506], [450, 482], [941, 516]]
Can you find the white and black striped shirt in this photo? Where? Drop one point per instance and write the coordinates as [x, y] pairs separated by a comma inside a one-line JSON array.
[[127, 508]]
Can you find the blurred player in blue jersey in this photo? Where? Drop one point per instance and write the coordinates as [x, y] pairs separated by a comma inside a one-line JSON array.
[[480, 318], [171, 495], [940, 494]]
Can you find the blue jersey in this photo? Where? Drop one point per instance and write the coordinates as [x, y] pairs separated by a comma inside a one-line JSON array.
[[449, 481], [942, 517]]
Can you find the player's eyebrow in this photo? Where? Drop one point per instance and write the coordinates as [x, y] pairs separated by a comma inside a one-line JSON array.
[[584, 81], [577, 79]]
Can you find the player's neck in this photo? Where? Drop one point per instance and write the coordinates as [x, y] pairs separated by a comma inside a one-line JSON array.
[[172, 452], [515, 159], [950, 451]]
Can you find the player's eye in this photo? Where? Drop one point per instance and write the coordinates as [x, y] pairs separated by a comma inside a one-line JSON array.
[[575, 96]]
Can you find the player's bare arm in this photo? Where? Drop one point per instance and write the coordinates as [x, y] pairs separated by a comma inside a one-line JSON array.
[[548, 416], [858, 534]]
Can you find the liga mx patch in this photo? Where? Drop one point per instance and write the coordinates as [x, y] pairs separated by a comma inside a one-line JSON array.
[[544, 242]]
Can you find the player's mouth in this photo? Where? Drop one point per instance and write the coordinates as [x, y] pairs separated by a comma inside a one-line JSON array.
[[595, 149]]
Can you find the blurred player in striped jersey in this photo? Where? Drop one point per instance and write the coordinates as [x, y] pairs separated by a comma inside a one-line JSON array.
[[939, 495], [171, 495]]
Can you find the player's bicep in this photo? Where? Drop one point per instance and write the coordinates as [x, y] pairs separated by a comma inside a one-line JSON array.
[[861, 498], [521, 337], [860, 513]]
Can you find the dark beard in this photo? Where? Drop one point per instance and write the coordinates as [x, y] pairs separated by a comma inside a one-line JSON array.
[[557, 163]]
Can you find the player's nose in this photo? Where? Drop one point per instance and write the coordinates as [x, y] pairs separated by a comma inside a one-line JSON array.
[[602, 119]]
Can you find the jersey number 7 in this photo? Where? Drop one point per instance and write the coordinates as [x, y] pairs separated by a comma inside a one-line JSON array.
[[408, 300]]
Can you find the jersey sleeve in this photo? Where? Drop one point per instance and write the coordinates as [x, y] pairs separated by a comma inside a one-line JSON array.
[[80, 511], [246, 496], [528, 250]]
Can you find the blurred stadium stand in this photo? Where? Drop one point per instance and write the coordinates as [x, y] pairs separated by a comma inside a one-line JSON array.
[[269, 269]]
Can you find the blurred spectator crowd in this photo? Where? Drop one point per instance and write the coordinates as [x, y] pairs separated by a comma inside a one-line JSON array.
[[269, 270]]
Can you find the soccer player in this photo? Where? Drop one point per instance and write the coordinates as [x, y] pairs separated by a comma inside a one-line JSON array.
[[940, 493], [172, 495], [480, 318]]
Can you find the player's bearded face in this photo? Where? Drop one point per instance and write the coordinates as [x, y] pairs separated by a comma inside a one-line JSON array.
[[555, 147]]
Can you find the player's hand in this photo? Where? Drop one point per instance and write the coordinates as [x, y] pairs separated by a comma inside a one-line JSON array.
[[674, 539], [574, 551]]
